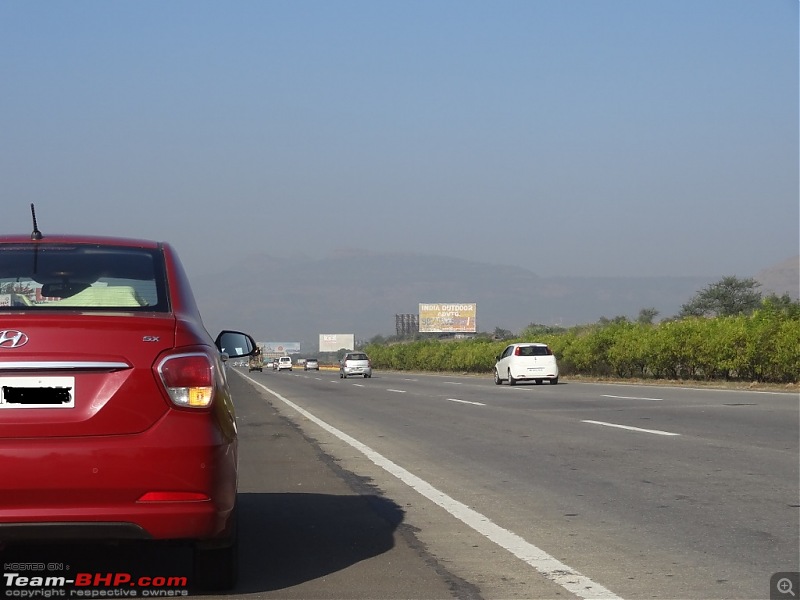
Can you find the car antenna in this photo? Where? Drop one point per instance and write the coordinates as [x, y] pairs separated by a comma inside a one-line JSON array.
[[36, 235]]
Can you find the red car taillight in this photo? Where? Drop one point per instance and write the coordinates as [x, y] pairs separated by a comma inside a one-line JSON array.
[[189, 379]]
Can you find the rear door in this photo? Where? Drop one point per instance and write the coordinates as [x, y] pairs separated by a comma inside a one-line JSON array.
[[502, 362], [533, 361]]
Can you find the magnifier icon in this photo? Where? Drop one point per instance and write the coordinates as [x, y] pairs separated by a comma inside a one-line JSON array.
[[784, 586]]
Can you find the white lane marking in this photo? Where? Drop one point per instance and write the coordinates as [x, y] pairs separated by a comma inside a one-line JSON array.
[[454, 382], [550, 567], [631, 398], [396, 391], [466, 402], [655, 431], [694, 389]]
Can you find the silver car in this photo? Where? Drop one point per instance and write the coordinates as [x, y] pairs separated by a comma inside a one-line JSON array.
[[355, 363]]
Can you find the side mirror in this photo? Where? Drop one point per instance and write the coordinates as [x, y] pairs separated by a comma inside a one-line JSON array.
[[235, 344]]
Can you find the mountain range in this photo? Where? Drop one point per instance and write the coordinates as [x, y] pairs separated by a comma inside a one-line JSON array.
[[360, 292]]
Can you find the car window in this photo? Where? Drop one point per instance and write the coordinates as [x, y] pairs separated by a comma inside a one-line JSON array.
[[534, 351], [357, 357], [91, 277]]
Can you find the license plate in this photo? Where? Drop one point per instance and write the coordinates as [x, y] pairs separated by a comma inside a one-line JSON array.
[[37, 392]]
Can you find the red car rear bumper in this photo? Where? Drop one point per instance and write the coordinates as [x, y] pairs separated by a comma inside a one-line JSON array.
[[92, 487]]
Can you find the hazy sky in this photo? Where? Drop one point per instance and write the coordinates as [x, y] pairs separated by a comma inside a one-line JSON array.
[[572, 137]]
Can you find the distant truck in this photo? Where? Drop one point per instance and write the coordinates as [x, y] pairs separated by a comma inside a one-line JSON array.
[[256, 361]]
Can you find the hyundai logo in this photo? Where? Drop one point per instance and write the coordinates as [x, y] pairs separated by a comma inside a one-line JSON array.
[[11, 338]]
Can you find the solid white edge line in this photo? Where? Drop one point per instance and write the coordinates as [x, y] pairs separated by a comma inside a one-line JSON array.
[[550, 567], [628, 427]]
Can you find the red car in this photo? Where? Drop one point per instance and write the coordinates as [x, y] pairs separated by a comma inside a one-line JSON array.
[[116, 421]]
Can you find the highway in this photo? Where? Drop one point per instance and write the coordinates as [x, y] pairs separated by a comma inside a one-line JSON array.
[[439, 486], [574, 490]]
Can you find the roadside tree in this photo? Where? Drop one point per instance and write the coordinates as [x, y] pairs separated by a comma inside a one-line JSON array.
[[728, 297]]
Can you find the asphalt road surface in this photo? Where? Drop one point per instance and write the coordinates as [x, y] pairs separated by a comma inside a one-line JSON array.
[[574, 490], [419, 486]]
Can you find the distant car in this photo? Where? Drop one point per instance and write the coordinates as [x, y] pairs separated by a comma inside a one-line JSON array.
[[355, 363], [116, 419], [311, 364], [530, 361], [284, 363], [256, 362]]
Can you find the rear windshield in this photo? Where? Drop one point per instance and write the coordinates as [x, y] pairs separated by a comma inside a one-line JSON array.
[[534, 351], [86, 277], [357, 357]]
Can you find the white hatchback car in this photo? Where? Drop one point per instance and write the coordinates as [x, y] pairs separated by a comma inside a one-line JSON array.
[[284, 363], [526, 362]]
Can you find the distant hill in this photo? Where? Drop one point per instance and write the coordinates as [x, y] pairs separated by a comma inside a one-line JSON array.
[[780, 279], [360, 292]]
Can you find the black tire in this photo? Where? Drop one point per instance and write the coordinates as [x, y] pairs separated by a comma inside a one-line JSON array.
[[554, 381], [216, 568], [511, 380], [497, 380]]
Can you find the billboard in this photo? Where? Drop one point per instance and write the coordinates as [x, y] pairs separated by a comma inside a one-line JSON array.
[[332, 342], [448, 318], [280, 347]]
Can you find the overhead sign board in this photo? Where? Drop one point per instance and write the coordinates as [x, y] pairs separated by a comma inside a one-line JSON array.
[[448, 318]]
